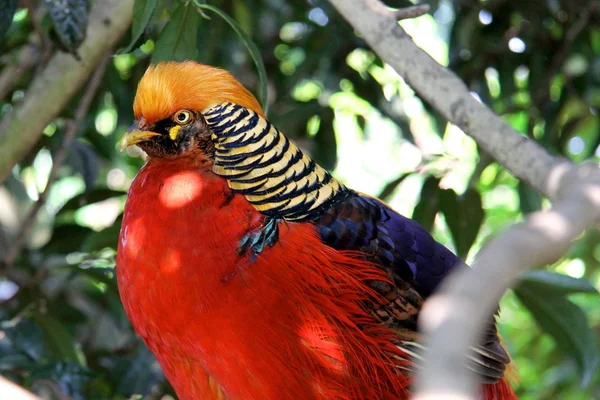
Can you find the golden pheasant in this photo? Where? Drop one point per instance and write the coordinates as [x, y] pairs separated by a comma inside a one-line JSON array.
[[251, 273]]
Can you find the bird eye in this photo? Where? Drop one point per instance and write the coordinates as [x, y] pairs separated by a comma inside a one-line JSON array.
[[182, 117]]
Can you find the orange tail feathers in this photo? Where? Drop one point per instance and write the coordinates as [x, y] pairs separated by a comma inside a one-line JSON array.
[[500, 390]]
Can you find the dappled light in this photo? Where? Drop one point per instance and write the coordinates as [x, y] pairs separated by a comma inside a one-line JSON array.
[[180, 189], [66, 101]]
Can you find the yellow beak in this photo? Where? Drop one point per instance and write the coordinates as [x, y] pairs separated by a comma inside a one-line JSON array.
[[134, 136]]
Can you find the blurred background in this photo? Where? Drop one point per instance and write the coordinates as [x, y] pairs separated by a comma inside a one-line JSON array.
[[63, 332]]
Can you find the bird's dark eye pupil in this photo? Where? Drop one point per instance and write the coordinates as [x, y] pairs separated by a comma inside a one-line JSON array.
[[181, 117]]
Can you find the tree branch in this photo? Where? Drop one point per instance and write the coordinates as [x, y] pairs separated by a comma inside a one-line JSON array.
[[10, 390], [59, 81], [11, 73], [57, 161], [411, 12], [453, 318], [447, 93]]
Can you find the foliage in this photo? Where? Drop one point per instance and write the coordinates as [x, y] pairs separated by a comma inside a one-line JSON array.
[[63, 328], [69, 20]]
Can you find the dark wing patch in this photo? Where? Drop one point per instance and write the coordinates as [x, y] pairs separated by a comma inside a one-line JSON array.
[[414, 262], [398, 243]]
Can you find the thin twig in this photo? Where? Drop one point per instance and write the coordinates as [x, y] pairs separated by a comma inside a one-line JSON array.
[[411, 12], [27, 58], [59, 158], [46, 47]]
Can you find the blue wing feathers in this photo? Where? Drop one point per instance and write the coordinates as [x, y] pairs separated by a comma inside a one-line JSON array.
[[416, 263], [399, 243]]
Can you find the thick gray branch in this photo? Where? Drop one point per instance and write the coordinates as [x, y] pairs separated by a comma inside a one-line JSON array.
[[447, 93], [411, 12], [58, 159], [59, 81], [453, 319], [13, 391]]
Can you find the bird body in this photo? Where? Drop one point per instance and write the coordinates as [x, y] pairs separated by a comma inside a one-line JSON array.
[[264, 328], [251, 273]]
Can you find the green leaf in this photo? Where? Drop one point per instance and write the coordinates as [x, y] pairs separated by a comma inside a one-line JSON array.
[[71, 379], [242, 14], [250, 45], [567, 324], [95, 196], [84, 159], [389, 188], [105, 238], [97, 274], [464, 216], [429, 203], [142, 12], [58, 340], [530, 200], [178, 41], [325, 152], [66, 239], [554, 283], [23, 339], [7, 11], [132, 374], [65, 312], [69, 19]]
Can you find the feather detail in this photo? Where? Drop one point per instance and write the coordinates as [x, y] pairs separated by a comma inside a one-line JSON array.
[[500, 390], [416, 264], [169, 86], [269, 170]]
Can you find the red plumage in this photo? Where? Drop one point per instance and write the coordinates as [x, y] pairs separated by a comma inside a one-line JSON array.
[[263, 330]]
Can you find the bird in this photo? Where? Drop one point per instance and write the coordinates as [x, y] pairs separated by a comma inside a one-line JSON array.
[[250, 272]]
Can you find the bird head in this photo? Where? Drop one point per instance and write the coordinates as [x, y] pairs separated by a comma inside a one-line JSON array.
[[169, 104]]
